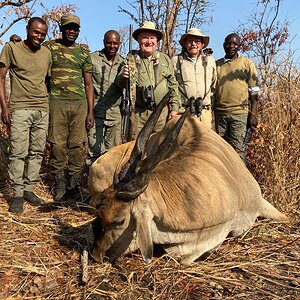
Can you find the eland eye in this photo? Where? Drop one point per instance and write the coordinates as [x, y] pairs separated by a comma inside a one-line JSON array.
[[119, 223]]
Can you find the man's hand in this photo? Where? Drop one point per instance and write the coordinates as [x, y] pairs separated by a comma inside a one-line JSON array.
[[172, 114], [89, 121], [6, 116], [125, 71]]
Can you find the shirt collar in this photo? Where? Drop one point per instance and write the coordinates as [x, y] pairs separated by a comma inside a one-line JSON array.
[[228, 59]]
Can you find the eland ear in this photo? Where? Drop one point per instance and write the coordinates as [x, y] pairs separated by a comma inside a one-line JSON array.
[[144, 238]]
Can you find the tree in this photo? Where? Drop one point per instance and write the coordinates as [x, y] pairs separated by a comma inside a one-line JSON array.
[[169, 16], [14, 11], [52, 17], [263, 38]]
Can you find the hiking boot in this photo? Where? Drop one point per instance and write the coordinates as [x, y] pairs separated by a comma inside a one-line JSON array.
[[73, 195], [33, 199], [16, 205], [60, 191]]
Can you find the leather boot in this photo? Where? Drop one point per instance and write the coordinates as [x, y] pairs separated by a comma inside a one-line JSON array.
[[16, 205], [60, 191], [33, 199], [73, 193]]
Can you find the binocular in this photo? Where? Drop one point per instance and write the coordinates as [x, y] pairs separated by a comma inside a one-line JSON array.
[[195, 105], [148, 96]]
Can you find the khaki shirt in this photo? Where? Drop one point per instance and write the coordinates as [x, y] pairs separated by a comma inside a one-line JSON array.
[[158, 72], [107, 94], [196, 79], [235, 77], [27, 70]]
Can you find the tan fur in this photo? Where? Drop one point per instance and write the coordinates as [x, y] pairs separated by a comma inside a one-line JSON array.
[[194, 199]]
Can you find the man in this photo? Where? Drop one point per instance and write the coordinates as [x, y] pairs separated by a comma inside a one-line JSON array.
[[107, 130], [27, 114], [71, 107], [196, 74], [237, 88], [151, 77], [15, 38]]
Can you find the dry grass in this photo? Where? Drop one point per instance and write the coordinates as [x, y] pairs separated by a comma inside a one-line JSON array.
[[40, 249]]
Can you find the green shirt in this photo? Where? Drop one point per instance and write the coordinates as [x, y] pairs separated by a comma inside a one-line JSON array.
[[107, 94], [69, 65], [158, 72], [27, 70], [235, 77]]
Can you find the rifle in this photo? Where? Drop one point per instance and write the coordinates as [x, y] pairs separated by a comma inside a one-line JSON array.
[[126, 130], [248, 136]]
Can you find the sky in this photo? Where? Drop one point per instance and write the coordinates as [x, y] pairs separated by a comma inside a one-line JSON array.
[[98, 16]]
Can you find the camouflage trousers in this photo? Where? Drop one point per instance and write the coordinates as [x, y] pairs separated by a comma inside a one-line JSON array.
[[102, 137], [233, 128], [28, 138], [142, 115], [67, 135]]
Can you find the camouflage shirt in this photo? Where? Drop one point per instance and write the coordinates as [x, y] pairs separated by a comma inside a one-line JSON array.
[[158, 72], [68, 66]]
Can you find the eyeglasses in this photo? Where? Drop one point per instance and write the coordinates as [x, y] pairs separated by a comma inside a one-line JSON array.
[[196, 41], [72, 26]]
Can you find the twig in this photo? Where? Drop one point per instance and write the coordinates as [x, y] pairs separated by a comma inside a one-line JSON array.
[[84, 263]]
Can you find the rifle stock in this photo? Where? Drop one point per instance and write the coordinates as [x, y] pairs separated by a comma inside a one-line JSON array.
[[126, 128]]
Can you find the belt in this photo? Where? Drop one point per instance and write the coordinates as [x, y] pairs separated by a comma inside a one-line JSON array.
[[143, 107]]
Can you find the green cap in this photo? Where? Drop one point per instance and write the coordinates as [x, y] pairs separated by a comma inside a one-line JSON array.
[[68, 19]]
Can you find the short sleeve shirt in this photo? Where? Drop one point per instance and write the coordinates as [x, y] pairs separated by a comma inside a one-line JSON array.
[[28, 70], [68, 67]]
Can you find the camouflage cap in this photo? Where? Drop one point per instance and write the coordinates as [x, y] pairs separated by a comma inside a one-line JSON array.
[[147, 26], [67, 19]]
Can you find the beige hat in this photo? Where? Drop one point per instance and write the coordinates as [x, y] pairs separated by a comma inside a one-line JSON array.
[[147, 26], [194, 32], [68, 19]]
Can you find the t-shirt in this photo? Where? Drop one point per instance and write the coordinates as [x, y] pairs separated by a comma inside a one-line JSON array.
[[27, 70], [69, 65]]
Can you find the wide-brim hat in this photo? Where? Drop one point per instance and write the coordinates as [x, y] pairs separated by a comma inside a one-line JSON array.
[[147, 26], [68, 19], [194, 32]]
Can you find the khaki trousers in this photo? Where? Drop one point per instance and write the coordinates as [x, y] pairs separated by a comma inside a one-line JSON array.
[[102, 137], [28, 138], [67, 135], [142, 115]]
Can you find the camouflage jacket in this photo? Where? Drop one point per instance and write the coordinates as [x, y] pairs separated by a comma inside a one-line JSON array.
[[68, 66]]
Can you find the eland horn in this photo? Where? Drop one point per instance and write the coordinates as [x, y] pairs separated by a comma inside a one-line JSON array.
[[127, 191]]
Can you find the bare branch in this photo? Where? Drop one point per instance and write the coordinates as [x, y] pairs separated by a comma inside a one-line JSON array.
[[15, 4], [169, 16]]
